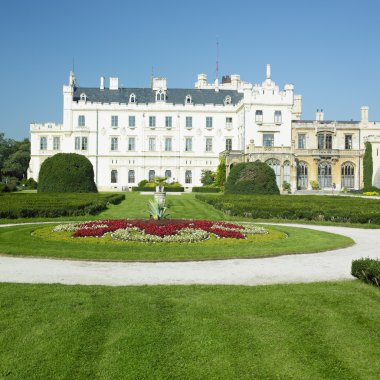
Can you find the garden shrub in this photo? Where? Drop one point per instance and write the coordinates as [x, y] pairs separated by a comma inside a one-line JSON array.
[[367, 270], [251, 178], [168, 189], [206, 189], [66, 173], [367, 166]]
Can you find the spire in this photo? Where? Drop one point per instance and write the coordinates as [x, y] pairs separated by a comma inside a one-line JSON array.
[[268, 71], [72, 80], [217, 60]]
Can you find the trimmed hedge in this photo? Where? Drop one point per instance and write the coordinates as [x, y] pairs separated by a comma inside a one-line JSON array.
[[367, 270], [205, 189], [309, 207], [153, 189], [251, 178], [39, 205], [66, 173], [367, 166]]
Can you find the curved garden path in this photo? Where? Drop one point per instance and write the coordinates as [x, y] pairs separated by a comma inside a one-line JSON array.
[[325, 266]]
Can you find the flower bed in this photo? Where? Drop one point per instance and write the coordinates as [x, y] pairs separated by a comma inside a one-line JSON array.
[[165, 230]]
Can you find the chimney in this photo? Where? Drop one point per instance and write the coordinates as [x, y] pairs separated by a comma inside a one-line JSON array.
[[268, 71], [102, 83], [235, 80], [364, 114], [319, 115], [202, 81], [114, 83]]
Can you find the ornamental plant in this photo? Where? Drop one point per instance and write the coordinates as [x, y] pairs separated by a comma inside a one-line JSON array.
[[157, 210]]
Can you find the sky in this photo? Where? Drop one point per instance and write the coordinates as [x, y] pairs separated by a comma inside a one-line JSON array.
[[329, 50]]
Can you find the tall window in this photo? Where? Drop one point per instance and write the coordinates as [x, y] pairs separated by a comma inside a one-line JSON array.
[[301, 141], [132, 121], [168, 144], [113, 176], [287, 171], [114, 121], [151, 175], [228, 144], [277, 117], [268, 139], [302, 181], [81, 121], [324, 175], [131, 143], [348, 142], [168, 121], [43, 143], [189, 122], [259, 116], [56, 143], [324, 141], [131, 176], [152, 144], [152, 121], [275, 165], [209, 122], [228, 122], [188, 144], [209, 144], [348, 175], [77, 143], [114, 143], [188, 176], [84, 143], [168, 173]]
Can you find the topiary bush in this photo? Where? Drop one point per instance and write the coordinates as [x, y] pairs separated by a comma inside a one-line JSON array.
[[66, 173], [251, 178], [367, 167], [367, 270]]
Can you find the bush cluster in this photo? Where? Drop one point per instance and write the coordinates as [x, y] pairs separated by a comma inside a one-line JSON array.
[[251, 178], [66, 173], [309, 207], [206, 189], [168, 189], [367, 270], [38, 205]]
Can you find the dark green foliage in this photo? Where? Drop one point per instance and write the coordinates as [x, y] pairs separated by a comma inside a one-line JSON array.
[[206, 189], [251, 178], [309, 207], [367, 166], [17, 162], [66, 173], [167, 189], [207, 177], [29, 184], [220, 177], [367, 270], [39, 205]]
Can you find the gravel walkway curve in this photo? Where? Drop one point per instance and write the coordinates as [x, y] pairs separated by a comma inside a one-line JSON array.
[[325, 266]]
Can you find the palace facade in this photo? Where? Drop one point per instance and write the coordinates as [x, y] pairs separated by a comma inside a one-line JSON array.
[[131, 134]]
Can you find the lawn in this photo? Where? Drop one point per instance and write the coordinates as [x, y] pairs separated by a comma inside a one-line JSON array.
[[308, 331]]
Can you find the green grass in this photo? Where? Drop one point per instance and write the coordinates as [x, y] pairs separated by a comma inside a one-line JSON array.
[[309, 331]]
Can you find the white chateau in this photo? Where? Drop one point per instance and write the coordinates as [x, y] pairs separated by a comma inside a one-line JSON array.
[[131, 134]]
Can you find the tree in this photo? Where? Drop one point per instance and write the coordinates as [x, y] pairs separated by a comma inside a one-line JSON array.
[[17, 163], [220, 177], [6, 149], [66, 173], [367, 166], [207, 177]]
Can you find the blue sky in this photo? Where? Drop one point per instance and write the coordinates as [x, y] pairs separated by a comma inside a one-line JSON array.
[[328, 49]]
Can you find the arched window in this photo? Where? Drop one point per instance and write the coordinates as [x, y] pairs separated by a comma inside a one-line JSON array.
[[132, 98], [287, 171], [113, 176], [188, 99], [152, 175], [302, 180], [324, 175], [160, 96], [227, 100], [275, 165], [168, 173], [131, 176], [348, 175], [188, 176], [83, 97]]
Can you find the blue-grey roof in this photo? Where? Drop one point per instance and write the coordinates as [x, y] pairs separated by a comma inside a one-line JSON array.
[[147, 95], [327, 121]]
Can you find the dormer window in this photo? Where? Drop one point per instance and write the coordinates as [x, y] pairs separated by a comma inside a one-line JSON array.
[[227, 100], [132, 98], [160, 96], [188, 99], [83, 97]]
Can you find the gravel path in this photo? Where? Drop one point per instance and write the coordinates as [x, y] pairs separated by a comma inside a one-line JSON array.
[[326, 266]]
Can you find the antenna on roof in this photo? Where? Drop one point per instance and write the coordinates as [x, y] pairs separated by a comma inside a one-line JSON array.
[[217, 59]]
